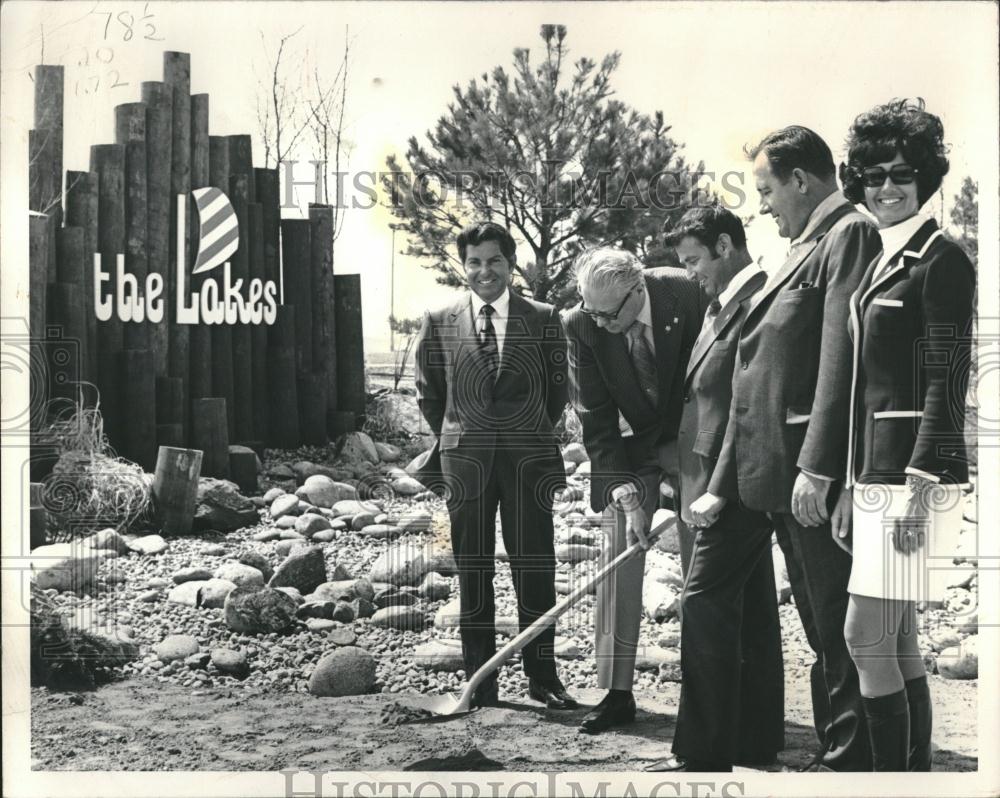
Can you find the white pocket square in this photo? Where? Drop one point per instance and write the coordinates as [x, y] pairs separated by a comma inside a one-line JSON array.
[[888, 303]]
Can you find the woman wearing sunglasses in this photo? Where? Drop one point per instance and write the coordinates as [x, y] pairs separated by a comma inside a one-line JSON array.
[[901, 508]]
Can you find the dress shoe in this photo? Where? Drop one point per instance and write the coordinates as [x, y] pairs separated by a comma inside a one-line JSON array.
[[679, 764], [551, 693], [616, 709]]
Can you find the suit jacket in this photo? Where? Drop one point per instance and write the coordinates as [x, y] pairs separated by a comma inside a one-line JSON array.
[[911, 329], [604, 386], [708, 393], [471, 414], [792, 377]]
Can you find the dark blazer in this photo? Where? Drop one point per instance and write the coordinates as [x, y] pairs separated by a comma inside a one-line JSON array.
[[470, 414], [603, 381], [708, 393], [912, 332], [792, 378]]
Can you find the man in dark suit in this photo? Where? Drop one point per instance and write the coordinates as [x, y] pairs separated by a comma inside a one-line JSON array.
[[629, 343], [491, 382], [785, 449], [732, 692]]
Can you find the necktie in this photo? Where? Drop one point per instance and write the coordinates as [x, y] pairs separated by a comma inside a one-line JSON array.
[[643, 361], [488, 340]]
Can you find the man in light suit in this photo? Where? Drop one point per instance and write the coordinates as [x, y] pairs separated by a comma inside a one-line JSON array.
[[732, 692], [491, 382], [785, 449], [629, 343]]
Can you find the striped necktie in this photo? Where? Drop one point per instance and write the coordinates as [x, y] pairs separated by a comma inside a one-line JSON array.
[[488, 340], [643, 361]]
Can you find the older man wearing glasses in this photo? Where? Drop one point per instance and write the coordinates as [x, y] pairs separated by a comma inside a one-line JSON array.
[[629, 343]]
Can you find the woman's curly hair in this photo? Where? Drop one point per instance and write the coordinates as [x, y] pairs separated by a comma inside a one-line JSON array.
[[901, 126]]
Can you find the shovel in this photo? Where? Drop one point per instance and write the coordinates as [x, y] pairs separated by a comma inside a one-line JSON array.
[[455, 704]]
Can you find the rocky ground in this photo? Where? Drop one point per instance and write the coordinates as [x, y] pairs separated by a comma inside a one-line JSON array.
[[281, 633]]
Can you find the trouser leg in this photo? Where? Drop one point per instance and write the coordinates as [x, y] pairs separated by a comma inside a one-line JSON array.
[[618, 609], [713, 606], [820, 588], [526, 526]]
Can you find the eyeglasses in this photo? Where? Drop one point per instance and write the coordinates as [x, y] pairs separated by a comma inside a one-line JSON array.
[[600, 314], [901, 175]]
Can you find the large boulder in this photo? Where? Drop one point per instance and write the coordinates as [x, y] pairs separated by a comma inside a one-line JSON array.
[[214, 593], [263, 611], [435, 587], [232, 662], [286, 504], [202, 593], [400, 617], [659, 601], [239, 574], [447, 617], [221, 506], [303, 569], [440, 655], [308, 524], [960, 662], [345, 590], [322, 491], [107, 539], [176, 647], [404, 563], [66, 566], [191, 574], [407, 486], [304, 469], [348, 670], [256, 560], [357, 447], [148, 544], [388, 453]]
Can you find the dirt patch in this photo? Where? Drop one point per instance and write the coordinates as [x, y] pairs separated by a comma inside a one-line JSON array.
[[142, 724]]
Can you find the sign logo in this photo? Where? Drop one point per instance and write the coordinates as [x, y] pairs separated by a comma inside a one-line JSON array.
[[212, 303]]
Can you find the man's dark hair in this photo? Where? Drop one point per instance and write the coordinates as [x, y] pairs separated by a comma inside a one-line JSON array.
[[480, 233], [706, 224], [794, 147], [901, 126]]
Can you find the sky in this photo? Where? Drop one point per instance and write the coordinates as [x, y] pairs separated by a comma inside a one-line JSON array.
[[724, 74]]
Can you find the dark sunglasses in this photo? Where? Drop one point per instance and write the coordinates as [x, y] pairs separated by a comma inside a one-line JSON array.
[[901, 175], [600, 314]]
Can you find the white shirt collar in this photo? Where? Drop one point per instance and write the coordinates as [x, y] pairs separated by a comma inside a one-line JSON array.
[[501, 304], [832, 201], [740, 279], [895, 238]]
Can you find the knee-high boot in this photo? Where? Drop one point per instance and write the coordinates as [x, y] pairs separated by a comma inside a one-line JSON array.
[[918, 697], [889, 730]]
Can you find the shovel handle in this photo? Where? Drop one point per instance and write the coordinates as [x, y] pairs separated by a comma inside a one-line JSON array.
[[550, 617]]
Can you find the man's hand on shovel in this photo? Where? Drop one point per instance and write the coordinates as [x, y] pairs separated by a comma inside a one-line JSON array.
[[636, 522]]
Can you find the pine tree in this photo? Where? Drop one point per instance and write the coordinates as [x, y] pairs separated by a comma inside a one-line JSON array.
[[965, 217], [552, 156]]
